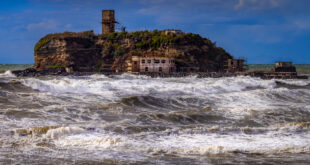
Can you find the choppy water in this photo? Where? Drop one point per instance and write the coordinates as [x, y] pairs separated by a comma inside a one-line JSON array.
[[138, 119]]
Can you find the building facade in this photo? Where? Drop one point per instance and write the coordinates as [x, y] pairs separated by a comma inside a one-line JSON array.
[[234, 65], [150, 64]]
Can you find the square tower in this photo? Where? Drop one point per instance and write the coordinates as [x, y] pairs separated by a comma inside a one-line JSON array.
[[108, 21]]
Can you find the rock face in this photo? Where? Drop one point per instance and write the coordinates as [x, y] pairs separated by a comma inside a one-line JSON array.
[[86, 52]]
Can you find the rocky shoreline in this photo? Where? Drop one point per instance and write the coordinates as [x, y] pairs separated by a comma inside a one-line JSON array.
[[31, 72]]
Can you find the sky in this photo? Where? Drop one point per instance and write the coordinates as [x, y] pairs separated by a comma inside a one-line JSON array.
[[262, 31]]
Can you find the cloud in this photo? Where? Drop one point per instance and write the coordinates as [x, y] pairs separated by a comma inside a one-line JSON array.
[[257, 4], [44, 25], [68, 26], [302, 24]]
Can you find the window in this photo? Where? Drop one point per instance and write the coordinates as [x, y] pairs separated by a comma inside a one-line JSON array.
[[163, 61], [160, 69], [146, 69], [143, 61], [156, 61], [149, 61]]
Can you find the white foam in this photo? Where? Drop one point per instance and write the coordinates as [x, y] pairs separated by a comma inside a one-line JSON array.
[[127, 85], [295, 82], [8, 74], [216, 144], [62, 131], [89, 141], [191, 144]]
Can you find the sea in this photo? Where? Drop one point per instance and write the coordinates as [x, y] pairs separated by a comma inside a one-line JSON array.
[[134, 119]]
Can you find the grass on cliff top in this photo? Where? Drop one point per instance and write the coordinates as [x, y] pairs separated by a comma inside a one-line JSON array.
[[157, 39], [49, 37], [41, 43], [84, 34]]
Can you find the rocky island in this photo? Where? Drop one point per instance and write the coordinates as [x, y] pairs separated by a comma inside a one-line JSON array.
[[159, 52], [164, 51], [87, 52]]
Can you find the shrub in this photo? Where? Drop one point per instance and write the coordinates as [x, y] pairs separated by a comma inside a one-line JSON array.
[[142, 45]]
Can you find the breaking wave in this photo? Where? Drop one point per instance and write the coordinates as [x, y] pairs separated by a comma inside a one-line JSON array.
[[134, 85], [7, 74]]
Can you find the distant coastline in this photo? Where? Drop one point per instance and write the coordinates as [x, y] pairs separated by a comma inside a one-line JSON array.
[[5, 67]]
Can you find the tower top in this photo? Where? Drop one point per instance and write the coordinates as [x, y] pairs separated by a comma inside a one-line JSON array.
[[108, 21]]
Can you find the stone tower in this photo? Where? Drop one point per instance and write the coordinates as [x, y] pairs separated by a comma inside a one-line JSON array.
[[108, 21]]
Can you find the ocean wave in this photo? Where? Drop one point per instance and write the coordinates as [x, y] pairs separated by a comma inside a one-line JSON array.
[[128, 84], [218, 149], [295, 82], [234, 96], [190, 144], [63, 131], [7, 74], [202, 144], [89, 141]]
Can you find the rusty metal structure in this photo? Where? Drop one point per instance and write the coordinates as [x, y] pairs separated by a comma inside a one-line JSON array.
[[108, 21], [284, 67]]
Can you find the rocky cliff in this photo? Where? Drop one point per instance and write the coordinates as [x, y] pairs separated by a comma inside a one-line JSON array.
[[88, 52]]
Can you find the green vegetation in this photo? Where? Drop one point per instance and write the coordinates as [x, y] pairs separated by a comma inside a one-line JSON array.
[[56, 66], [49, 37], [113, 48], [84, 34], [41, 43], [156, 39], [98, 66]]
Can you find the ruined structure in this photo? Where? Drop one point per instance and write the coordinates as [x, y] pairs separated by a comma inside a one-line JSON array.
[[108, 21], [234, 65], [150, 64], [174, 32]]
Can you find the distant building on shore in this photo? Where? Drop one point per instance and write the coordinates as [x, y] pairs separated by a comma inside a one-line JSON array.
[[284, 67], [234, 65]]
